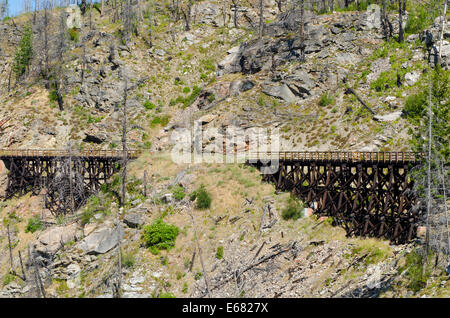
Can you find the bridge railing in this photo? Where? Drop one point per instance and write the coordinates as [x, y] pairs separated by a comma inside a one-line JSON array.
[[338, 156], [65, 153]]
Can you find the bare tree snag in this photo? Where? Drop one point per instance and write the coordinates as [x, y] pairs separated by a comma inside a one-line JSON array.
[[351, 91], [261, 19]]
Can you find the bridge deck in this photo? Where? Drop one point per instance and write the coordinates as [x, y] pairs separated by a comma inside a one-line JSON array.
[[55, 153], [338, 156]]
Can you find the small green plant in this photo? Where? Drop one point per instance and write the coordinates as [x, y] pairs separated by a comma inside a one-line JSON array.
[[160, 235], [178, 192], [326, 99], [219, 253], [148, 105], [128, 259], [34, 224], [198, 275], [202, 197], [185, 288], [211, 97], [293, 210], [8, 278], [74, 35], [53, 95]]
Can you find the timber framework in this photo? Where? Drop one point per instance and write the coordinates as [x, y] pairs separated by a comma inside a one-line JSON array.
[[367, 193], [68, 178]]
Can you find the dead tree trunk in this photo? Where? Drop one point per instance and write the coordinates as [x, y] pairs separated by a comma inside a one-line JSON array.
[[261, 19], [124, 144], [235, 13], [351, 91]]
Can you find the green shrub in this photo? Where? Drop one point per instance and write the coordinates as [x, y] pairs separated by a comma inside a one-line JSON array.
[[211, 97], [148, 105], [74, 35], [34, 224], [163, 121], [203, 198], [160, 235], [186, 90], [415, 106], [293, 210], [185, 288], [219, 253], [326, 99], [178, 192]]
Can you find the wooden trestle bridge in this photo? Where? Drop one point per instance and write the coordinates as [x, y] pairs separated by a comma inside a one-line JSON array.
[[368, 193], [63, 174]]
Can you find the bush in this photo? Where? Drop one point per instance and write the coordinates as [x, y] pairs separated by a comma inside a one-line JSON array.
[[148, 105], [34, 224], [326, 99], [74, 34], [219, 253], [203, 198], [178, 193], [415, 106], [293, 210], [160, 235]]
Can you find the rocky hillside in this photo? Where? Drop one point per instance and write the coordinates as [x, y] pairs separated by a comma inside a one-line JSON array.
[[241, 244]]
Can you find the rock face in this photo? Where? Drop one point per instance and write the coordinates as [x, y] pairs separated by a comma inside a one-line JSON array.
[[51, 240], [73, 17], [101, 240]]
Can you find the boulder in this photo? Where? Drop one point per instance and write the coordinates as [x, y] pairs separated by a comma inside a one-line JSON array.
[[167, 198], [101, 241], [52, 239], [73, 17], [239, 86], [389, 117], [279, 91], [411, 78], [373, 17], [133, 220]]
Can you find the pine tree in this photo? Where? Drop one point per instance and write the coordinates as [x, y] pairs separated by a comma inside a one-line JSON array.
[[24, 53]]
